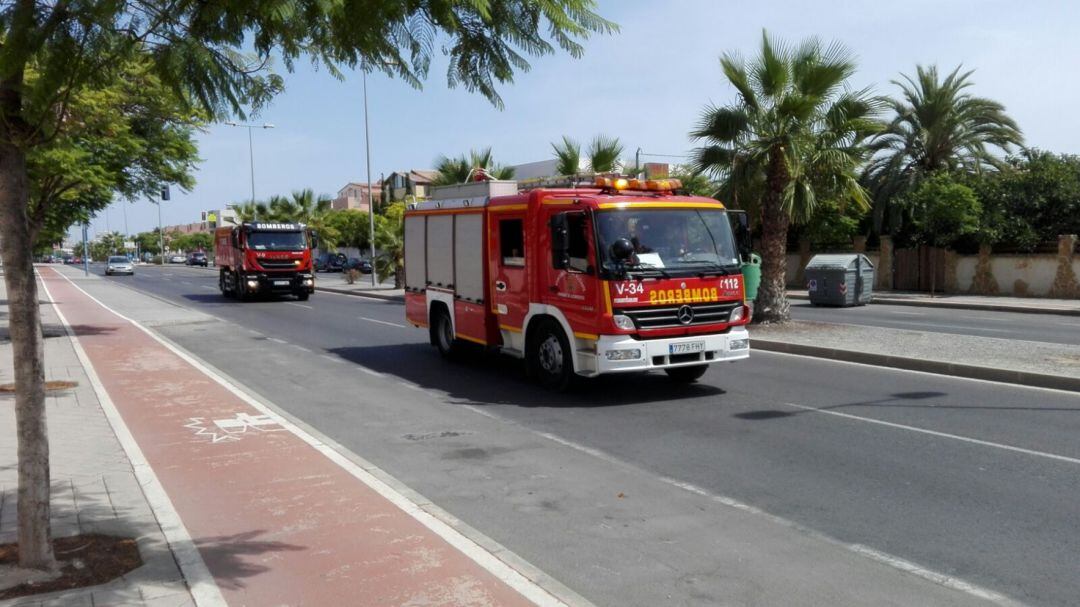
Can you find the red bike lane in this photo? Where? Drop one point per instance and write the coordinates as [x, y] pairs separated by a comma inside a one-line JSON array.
[[276, 521]]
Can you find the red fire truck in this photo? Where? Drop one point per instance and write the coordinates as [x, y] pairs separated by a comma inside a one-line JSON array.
[[620, 275], [265, 258]]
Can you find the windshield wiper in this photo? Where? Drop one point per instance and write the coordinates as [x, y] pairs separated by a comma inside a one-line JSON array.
[[645, 269]]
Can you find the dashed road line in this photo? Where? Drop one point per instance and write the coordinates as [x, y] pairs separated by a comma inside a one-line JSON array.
[[299, 305], [958, 437], [382, 322], [276, 340]]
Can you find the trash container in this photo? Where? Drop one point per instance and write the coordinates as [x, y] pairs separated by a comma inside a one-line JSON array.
[[751, 271], [840, 280]]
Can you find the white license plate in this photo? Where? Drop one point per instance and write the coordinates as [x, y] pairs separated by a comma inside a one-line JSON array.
[[686, 348], [281, 282]]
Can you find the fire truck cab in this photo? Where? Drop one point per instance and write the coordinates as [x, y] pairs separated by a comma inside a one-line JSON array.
[[261, 258], [623, 275]]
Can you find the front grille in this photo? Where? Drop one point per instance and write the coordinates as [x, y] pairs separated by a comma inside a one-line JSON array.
[[668, 316], [277, 264]]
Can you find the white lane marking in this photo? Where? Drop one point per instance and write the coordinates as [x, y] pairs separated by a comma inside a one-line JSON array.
[[206, 287], [301, 348], [907, 313], [881, 557], [370, 475], [938, 376], [994, 319], [382, 322], [299, 305], [958, 437], [200, 583], [184, 282], [946, 326], [332, 359], [277, 341], [371, 372], [933, 576], [364, 297], [1075, 324], [167, 279]]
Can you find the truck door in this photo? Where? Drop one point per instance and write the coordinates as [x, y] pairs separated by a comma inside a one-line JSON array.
[[510, 287], [570, 281]]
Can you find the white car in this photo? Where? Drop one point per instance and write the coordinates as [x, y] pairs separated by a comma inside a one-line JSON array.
[[177, 259], [119, 265]]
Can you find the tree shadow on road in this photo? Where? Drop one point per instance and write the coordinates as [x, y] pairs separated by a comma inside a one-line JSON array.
[[482, 378], [233, 557]]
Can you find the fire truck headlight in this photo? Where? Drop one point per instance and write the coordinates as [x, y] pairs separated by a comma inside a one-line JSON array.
[[623, 322], [626, 354], [252, 284], [738, 314], [739, 344]]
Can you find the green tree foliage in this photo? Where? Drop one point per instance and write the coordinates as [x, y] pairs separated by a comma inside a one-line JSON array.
[[833, 225], [603, 154], [390, 240], [352, 228], [568, 155], [196, 241], [462, 169], [937, 125], [796, 130], [694, 182], [1033, 202], [943, 210]]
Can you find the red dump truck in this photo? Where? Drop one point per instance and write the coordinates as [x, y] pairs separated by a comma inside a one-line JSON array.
[[261, 258], [618, 275]]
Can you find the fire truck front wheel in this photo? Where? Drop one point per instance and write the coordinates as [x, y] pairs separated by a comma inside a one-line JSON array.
[[549, 358]]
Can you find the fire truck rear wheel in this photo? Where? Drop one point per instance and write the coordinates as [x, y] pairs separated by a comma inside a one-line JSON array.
[[442, 333], [686, 375], [549, 357]]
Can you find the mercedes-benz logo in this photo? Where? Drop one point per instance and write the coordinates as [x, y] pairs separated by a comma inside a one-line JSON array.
[[686, 315]]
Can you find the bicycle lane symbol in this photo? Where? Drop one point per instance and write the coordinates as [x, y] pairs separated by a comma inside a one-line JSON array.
[[233, 428]]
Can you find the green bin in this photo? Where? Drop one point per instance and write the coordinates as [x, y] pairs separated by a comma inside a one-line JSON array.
[[751, 271]]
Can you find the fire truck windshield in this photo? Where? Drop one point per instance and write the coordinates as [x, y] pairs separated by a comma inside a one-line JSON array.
[[669, 241], [277, 241]]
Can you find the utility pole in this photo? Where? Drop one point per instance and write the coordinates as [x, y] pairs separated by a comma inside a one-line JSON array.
[[161, 229], [251, 156]]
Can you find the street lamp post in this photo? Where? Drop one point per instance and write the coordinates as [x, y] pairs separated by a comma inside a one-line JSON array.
[[251, 155], [370, 199]]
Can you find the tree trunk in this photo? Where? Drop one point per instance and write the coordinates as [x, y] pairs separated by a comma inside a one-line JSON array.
[[24, 315], [772, 304]]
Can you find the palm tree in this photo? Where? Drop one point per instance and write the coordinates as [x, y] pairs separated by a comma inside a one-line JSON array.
[[938, 126], [568, 155], [604, 154], [796, 133], [463, 168], [250, 211]]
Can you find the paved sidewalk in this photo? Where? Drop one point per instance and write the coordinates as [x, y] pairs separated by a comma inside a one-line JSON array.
[[991, 303], [94, 489], [335, 283], [278, 518], [1006, 360]]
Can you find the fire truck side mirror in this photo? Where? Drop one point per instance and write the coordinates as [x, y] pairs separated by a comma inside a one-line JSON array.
[[234, 238], [314, 239], [740, 225], [622, 249], [560, 242]]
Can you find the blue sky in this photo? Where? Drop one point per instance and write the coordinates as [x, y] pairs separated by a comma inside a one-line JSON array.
[[647, 85]]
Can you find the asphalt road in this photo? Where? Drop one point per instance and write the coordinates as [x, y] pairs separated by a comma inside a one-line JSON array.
[[975, 480], [1051, 328]]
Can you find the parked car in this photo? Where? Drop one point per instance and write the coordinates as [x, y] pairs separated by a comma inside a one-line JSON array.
[[76, 260], [177, 259], [68, 260], [330, 262], [118, 264], [197, 258], [363, 265]]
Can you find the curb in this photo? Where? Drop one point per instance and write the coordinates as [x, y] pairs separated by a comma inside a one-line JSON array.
[[962, 306], [367, 294], [1023, 378]]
